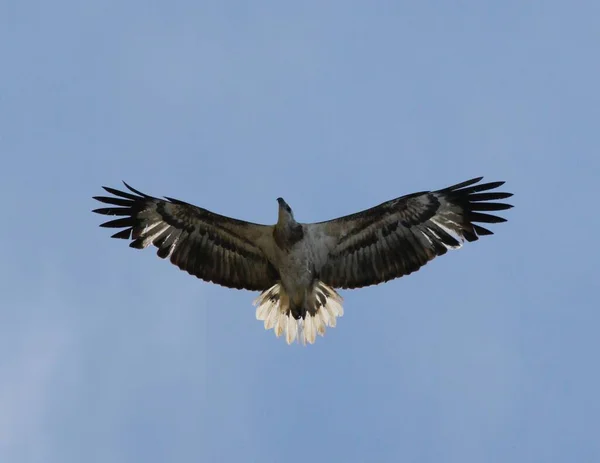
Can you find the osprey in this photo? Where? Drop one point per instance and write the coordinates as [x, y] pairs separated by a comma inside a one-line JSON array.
[[296, 266]]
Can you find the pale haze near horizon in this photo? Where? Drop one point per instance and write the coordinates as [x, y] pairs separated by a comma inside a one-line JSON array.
[[488, 353]]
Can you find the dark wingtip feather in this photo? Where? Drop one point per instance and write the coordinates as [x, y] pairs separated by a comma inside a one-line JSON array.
[[137, 244], [478, 187], [485, 218], [134, 190], [120, 193], [114, 201], [462, 184], [482, 231], [492, 185], [123, 234], [119, 223], [490, 206], [475, 197]]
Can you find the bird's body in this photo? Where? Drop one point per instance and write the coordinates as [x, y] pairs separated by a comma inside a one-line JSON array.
[[298, 255], [296, 266], [297, 269]]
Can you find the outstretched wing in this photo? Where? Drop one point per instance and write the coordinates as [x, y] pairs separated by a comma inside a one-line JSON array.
[[209, 246], [399, 236]]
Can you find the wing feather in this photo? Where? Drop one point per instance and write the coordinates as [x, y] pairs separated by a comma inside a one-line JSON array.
[[209, 246], [399, 236]]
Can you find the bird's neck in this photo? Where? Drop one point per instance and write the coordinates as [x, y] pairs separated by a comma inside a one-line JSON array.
[[287, 233]]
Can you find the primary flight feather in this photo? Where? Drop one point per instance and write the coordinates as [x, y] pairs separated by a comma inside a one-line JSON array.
[[296, 266]]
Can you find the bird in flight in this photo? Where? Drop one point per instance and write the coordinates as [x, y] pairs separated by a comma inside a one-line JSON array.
[[297, 266]]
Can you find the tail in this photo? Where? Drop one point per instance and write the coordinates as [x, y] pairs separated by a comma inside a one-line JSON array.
[[323, 305]]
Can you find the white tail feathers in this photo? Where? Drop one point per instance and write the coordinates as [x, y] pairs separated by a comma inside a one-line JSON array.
[[323, 306]]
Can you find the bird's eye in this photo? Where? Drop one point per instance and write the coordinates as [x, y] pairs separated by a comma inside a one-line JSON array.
[[289, 209]]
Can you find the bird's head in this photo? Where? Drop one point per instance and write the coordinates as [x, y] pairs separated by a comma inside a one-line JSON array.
[[285, 212]]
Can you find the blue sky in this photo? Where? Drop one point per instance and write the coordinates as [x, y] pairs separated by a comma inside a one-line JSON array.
[[486, 354]]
